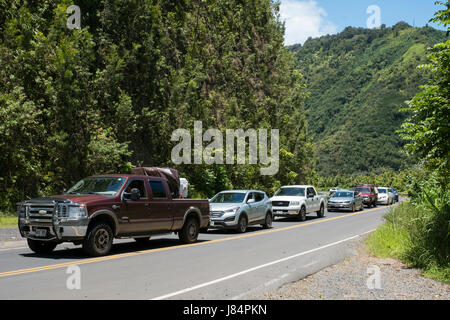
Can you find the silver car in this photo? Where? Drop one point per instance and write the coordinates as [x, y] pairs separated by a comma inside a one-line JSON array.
[[345, 200], [237, 209]]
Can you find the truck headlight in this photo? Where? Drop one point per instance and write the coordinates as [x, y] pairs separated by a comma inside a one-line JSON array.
[[21, 211], [77, 211], [294, 203]]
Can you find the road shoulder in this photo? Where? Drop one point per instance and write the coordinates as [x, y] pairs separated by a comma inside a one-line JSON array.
[[364, 277]]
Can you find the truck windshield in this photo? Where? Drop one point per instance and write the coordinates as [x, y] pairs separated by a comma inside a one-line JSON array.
[[228, 197], [363, 190], [295, 192], [108, 186]]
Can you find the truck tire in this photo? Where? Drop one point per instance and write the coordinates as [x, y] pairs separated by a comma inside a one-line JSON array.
[[98, 240], [267, 221], [301, 216], [41, 247], [321, 212], [189, 232], [242, 224]]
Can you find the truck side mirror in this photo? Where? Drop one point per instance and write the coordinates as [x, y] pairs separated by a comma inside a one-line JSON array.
[[251, 201], [135, 194]]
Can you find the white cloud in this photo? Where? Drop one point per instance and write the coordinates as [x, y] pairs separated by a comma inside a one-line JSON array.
[[304, 19]]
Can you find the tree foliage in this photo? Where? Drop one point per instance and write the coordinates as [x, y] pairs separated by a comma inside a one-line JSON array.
[[107, 96]]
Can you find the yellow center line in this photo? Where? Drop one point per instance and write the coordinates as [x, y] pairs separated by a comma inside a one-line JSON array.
[[141, 252]]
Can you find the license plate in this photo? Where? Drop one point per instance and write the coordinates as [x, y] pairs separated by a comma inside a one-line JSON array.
[[41, 232], [280, 212]]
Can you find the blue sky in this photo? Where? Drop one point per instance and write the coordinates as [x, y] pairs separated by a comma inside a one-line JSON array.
[[305, 18]]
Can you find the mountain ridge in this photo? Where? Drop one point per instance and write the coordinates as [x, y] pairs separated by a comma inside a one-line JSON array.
[[357, 82]]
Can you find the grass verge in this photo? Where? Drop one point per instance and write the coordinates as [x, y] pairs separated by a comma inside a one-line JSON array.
[[406, 236], [8, 220]]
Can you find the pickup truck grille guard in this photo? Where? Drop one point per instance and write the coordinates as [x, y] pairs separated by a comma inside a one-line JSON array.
[[48, 215], [39, 215]]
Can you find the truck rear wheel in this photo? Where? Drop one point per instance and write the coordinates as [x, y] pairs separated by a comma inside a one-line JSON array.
[[321, 212], [41, 247], [99, 239], [189, 232]]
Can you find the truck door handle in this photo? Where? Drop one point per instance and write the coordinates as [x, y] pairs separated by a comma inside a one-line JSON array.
[[115, 206], [147, 205]]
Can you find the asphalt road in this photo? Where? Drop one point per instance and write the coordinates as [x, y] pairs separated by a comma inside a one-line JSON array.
[[222, 265]]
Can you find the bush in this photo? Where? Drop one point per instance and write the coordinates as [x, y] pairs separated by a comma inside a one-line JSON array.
[[418, 232]]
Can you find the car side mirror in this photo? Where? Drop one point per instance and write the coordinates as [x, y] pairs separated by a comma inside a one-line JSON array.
[[135, 194], [251, 201]]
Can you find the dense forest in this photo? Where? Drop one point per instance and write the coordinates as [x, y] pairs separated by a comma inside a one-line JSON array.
[[107, 96], [357, 82]]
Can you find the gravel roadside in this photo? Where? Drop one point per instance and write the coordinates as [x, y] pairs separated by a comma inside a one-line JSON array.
[[10, 237], [350, 280]]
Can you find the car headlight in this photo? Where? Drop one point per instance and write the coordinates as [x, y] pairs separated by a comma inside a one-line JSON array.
[[77, 211], [294, 203], [234, 210]]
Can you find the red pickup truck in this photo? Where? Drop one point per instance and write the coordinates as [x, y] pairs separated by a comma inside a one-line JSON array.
[[100, 208]]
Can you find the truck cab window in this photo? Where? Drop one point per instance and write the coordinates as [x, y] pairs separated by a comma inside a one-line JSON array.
[[158, 190], [136, 184]]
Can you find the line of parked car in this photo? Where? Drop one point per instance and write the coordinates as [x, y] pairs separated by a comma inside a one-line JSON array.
[[237, 209], [152, 201]]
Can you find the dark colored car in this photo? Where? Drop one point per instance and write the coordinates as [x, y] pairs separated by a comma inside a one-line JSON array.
[[100, 208], [345, 200], [369, 193], [395, 192]]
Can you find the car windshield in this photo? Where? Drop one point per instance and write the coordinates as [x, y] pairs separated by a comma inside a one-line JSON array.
[[108, 186], [296, 192], [228, 197], [382, 190], [363, 190], [342, 194]]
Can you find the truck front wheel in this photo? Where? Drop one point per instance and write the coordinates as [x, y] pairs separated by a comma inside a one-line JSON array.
[[189, 232], [301, 216], [99, 239], [41, 247]]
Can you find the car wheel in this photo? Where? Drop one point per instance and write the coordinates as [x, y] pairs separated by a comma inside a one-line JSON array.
[[41, 247], [268, 221], [99, 239], [189, 232], [321, 212], [301, 216], [242, 224]]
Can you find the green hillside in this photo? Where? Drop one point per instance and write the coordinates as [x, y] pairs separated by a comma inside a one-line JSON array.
[[357, 81]]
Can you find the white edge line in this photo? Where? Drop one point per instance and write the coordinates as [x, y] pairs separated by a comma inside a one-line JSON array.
[[234, 275]]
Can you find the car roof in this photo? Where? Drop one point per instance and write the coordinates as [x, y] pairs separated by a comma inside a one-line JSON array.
[[297, 186], [240, 191]]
